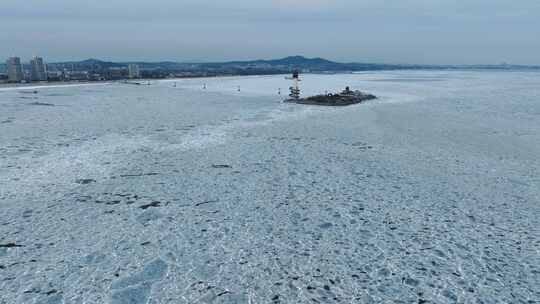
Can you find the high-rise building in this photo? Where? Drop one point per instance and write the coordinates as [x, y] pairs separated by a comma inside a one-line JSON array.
[[134, 71], [38, 72], [14, 69]]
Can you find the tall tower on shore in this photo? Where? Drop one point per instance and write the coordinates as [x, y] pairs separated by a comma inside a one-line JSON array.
[[14, 69], [134, 71], [38, 71], [295, 88]]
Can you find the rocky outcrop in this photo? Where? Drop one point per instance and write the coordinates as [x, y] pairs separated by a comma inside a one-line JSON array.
[[345, 98]]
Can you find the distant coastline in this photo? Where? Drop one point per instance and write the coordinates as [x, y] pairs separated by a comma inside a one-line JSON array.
[[94, 70], [32, 85], [46, 84]]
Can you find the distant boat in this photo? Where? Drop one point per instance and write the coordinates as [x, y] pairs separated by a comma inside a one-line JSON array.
[[137, 83], [132, 82]]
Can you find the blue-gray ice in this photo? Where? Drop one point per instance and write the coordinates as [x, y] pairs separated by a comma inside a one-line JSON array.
[[115, 193]]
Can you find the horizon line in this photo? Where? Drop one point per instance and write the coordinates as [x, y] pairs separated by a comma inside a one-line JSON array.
[[3, 62]]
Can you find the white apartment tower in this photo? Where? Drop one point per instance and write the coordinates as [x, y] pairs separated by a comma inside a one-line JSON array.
[[38, 71], [14, 69], [134, 71]]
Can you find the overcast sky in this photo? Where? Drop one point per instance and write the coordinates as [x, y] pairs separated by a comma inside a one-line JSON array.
[[386, 31]]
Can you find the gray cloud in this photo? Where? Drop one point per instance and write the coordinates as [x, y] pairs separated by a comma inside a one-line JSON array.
[[415, 31]]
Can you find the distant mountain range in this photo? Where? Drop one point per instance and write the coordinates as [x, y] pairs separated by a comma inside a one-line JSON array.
[[283, 65], [303, 63]]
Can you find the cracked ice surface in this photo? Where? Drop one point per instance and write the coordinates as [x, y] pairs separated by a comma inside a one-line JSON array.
[[114, 193]]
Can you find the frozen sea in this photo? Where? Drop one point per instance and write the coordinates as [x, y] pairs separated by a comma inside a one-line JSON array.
[[116, 193]]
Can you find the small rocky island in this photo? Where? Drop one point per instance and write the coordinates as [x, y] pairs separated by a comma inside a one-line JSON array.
[[345, 98]]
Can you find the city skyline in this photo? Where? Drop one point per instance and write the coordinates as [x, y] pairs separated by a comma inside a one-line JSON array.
[[126, 61], [413, 31], [14, 71]]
